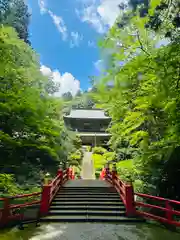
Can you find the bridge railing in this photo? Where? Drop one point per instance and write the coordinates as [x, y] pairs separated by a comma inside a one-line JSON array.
[[49, 191], [160, 209], [125, 190], [13, 211], [159, 204]]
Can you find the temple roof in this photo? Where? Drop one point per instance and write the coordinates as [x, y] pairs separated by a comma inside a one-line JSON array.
[[87, 113], [97, 134]]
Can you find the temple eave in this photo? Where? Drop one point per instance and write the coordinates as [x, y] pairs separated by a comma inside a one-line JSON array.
[[95, 134], [80, 118]]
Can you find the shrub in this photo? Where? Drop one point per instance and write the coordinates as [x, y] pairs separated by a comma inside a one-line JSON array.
[[99, 150], [125, 170], [75, 158], [97, 174], [88, 148], [8, 185], [99, 161], [109, 156]]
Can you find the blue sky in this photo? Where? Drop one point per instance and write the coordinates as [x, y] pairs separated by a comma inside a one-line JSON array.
[[65, 34]]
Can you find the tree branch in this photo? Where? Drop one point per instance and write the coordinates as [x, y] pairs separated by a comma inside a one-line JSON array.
[[141, 45]]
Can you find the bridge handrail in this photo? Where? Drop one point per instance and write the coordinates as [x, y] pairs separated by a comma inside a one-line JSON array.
[[167, 209], [156, 198], [127, 195], [125, 190], [47, 194], [7, 214], [21, 196], [50, 190]]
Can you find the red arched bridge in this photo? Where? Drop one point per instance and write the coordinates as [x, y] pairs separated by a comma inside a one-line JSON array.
[[107, 199]]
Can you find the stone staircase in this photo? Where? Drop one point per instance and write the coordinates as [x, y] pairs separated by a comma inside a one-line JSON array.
[[87, 201]]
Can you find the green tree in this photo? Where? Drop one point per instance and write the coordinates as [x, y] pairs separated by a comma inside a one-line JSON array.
[[163, 16], [4, 9], [15, 13], [144, 101], [67, 96], [83, 101], [32, 130]]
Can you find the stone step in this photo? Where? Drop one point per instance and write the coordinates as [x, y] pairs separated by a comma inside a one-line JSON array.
[[111, 187], [88, 199], [107, 212], [87, 190], [94, 218], [87, 202], [88, 186], [86, 196], [86, 193], [88, 207]]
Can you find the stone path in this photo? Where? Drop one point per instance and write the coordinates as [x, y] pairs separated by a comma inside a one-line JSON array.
[[88, 171], [90, 231], [87, 183]]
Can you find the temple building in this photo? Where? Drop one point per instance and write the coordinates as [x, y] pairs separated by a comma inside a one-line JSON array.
[[90, 125]]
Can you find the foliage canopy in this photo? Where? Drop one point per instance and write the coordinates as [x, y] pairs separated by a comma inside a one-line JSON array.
[[144, 99]]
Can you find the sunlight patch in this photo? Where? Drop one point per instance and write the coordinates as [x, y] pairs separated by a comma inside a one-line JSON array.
[[49, 232]]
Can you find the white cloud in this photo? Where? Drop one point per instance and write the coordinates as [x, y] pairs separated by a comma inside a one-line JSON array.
[[42, 6], [101, 14], [45, 71], [162, 42], [76, 39], [109, 11], [59, 23], [67, 81], [91, 44], [91, 16], [99, 65], [57, 20]]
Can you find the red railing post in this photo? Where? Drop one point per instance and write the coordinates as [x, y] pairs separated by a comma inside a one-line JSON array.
[[45, 199], [102, 174], [68, 173], [73, 174], [6, 211], [169, 214], [60, 174], [114, 174], [106, 171], [129, 200]]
